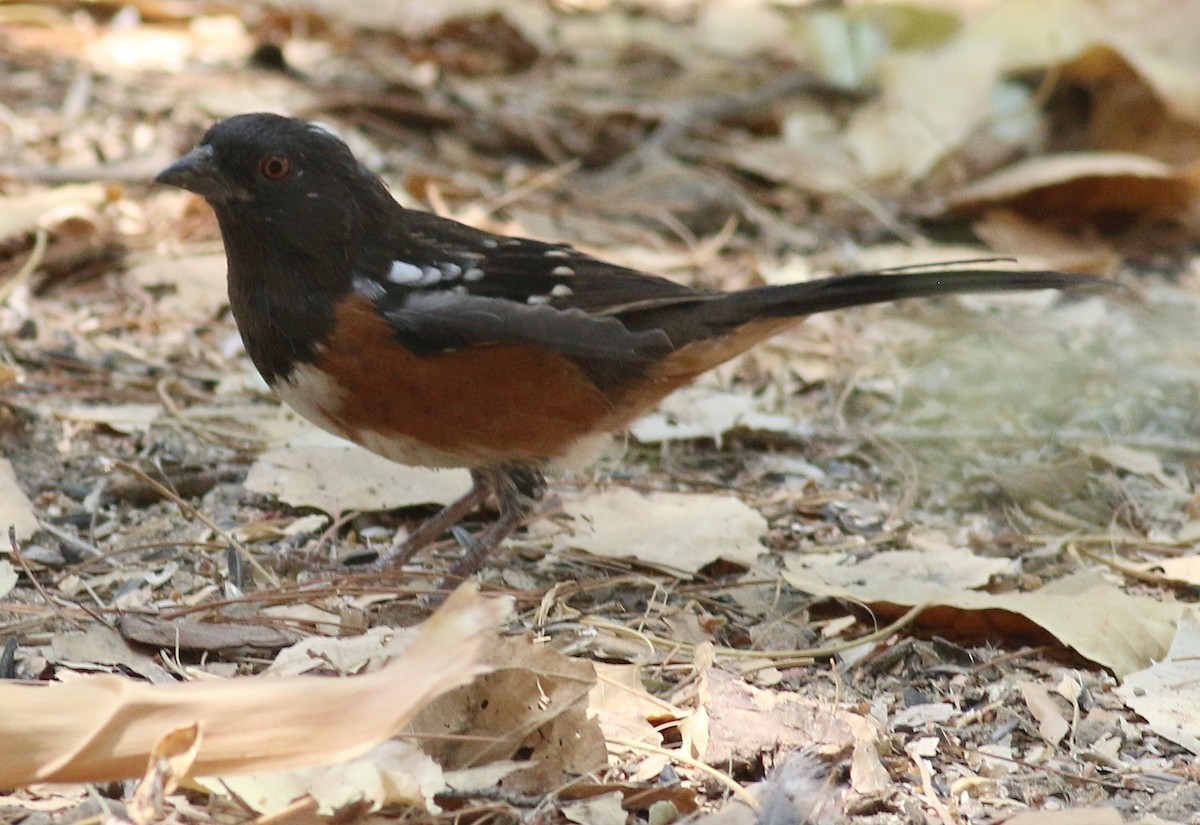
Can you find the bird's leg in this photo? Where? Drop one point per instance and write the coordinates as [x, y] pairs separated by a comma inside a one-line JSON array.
[[428, 531], [518, 489]]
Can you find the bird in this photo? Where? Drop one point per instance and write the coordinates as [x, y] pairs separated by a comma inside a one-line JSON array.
[[437, 344]]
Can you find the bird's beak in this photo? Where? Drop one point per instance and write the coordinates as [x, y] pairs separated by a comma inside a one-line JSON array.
[[198, 172]]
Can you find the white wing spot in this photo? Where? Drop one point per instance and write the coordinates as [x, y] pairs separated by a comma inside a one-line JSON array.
[[534, 300], [405, 273], [473, 274], [557, 253], [489, 243], [562, 270], [561, 291], [451, 271]]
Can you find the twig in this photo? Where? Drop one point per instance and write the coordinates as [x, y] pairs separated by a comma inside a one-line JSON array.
[[52, 603], [728, 781], [785, 655], [191, 511]]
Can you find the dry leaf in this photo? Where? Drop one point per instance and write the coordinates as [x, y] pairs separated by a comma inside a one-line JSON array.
[[323, 471], [121, 418], [1008, 233], [604, 809], [953, 568], [534, 704], [98, 728], [904, 132], [392, 773], [1051, 724], [16, 509], [24, 213], [8, 577], [1098, 620], [1078, 816], [1082, 188], [746, 723], [1167, 693], [679, 531], [705, 412], [170, 761], [624, 708], [195, 284], [1138, 462]]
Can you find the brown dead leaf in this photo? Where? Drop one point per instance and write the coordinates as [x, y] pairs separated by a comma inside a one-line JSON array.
[[98, 728], [1099, 189], [678, 531], [531, 707], [1083, 611]]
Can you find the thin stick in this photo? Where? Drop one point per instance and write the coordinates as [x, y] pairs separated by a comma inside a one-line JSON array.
[[728, 781], [53, 604], [191, 511], [786, 655]]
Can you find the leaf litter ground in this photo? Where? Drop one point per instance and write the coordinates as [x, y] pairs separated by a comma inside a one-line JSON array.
[[1008, 481]]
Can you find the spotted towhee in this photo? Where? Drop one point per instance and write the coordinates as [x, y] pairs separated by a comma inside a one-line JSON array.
[[436, 344]]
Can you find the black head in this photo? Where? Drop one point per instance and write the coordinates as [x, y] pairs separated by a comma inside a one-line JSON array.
[[299, 217], [281, 183]]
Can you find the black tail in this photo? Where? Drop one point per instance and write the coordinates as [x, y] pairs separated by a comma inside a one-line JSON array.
[[872, 288]]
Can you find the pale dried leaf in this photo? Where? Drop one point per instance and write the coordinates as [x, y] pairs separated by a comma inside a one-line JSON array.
[[98, 728], [16, 509], [680, 531], [1167, 693], [624, 708], [746, 723], [1077, 816], [906, 130], [1138, 462], [24, 213], [121, 418], [705, 412], [604, 809], [392, 773], [946, 566], [192, 286], [1051, 724], [323, 471]]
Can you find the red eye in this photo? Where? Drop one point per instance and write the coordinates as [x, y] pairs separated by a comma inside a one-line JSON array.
[[275, 167]]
